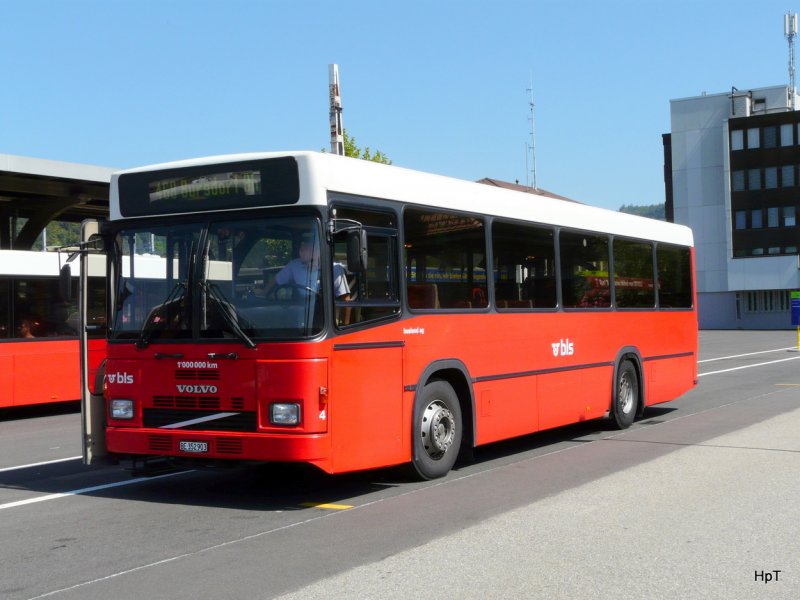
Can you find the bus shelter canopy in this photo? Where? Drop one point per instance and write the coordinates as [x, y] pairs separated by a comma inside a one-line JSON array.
[[41, 191]]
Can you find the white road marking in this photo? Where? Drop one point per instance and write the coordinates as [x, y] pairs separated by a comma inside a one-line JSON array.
[[772, 362], [748, 354], [39, 464], [87, 490]]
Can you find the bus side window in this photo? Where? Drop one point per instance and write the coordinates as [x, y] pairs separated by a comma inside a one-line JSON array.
[[5, 316], [674, 276], [584, 270], [374, 293], [449, 251], [524, 266]]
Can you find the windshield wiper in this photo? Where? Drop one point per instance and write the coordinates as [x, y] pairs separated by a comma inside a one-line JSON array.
[[154, 319], [223, 307]]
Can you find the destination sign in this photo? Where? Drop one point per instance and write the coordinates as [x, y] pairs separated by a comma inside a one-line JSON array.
[[224, 186], [231, 184]]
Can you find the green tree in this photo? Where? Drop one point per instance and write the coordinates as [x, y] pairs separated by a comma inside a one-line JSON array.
[[352, 150], [653, 211]]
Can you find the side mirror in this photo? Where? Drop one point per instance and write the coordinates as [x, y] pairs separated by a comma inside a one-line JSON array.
[[65, 283], [357, 251]]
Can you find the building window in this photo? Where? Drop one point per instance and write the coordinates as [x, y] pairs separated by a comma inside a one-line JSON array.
[[757, 252], [770, 137], [773, 218], [754, 179], [737, 139], [774, 250], [756, 218], [752, 138], [789, 216], [787, 134], [741, 219], [790, 250], [767, 301], [770, 178], [737, 181], [787, 176]]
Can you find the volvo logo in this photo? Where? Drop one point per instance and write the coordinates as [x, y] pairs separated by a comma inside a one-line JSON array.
[[197, 389]]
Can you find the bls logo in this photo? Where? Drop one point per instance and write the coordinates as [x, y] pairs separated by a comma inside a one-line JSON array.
[[563, 348], [120, 378]]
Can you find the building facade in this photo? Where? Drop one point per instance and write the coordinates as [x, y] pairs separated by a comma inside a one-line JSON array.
[[732, 174]]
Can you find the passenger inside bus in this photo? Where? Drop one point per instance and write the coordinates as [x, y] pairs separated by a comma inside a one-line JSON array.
[[303, 273], [26, 329]]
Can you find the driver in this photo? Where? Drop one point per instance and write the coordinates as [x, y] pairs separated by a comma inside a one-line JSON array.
[[303, 272]]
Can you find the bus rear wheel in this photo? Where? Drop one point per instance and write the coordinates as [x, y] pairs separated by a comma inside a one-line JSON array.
[[626, 396], [437, 430]]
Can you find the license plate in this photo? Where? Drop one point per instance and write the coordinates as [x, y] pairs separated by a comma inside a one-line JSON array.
[[193, 446]]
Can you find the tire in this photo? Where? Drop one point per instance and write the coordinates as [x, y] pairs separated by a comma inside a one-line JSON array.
[[626, 396], [437, 430]]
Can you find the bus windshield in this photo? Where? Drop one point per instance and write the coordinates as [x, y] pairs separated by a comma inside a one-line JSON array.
[[226, 279]]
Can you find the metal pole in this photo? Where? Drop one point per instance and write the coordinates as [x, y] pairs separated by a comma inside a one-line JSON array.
[[337, 129]]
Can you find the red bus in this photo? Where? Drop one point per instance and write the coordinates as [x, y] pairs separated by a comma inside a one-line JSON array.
[[39, 329], [351, 315]]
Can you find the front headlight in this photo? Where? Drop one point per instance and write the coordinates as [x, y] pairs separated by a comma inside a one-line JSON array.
[[122, 409], [284, 413]]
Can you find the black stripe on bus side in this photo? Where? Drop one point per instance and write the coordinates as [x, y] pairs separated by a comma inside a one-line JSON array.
[[368, 345], [500, 376], [540, 372], [668, 356]]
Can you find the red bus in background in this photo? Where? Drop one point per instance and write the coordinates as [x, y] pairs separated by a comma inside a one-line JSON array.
[[351, 315], [39, 353]]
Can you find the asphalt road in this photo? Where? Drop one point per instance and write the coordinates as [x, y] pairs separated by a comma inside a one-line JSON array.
[[699, 499]]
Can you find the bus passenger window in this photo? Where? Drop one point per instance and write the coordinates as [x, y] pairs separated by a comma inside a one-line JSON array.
[[524, 266], [584, 270], [633, 274], [447, 251], [5, 329], [674, 277]]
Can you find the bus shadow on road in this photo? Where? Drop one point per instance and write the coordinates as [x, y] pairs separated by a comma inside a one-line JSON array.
[[37, 411], [281, 487], [559, 438]]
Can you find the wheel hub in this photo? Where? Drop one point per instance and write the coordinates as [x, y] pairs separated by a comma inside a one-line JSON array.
[[438, 429], [625, 394]]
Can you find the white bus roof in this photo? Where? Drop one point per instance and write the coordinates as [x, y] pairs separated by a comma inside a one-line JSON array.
[[322, 173]]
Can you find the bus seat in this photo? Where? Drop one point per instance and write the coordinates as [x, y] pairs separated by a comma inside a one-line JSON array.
[[423, 295]]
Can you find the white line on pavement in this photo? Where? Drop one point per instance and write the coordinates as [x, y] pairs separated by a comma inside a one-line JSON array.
[[87, 490], [772, 362], [39, 464]]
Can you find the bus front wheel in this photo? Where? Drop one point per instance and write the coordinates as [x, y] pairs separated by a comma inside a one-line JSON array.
[[437, 430], [626, 396]]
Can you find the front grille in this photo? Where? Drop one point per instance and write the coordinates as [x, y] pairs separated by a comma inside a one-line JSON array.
[[229, 445], [193, 402], [159, 443], [160, 417], [197, 374]]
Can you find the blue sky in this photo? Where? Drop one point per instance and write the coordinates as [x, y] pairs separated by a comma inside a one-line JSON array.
[[438, 86]]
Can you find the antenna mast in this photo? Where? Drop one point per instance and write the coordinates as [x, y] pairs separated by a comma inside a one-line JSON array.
[[532, 146], [790, 31], [337, 130]]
